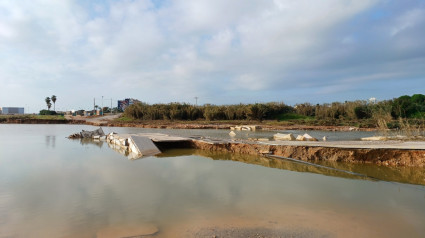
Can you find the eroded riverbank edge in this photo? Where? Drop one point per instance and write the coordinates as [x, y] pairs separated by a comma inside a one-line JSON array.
[[380, 156]]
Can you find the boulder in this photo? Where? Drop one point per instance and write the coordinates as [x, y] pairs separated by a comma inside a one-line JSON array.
[[286, 137], [309, 137], [300, 138], [232, 133]]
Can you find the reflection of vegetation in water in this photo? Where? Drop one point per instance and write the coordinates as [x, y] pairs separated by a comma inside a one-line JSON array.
[[395, 174], [410, 175], [257, 160]]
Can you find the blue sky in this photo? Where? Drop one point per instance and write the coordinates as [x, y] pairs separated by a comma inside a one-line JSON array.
[[220, 51]]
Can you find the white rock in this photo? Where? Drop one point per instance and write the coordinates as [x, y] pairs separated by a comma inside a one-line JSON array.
[[232, 133], [300, 138], [286, 137], [309, 137]]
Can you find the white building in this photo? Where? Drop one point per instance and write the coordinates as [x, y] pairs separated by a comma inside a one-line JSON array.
[[12, 110]]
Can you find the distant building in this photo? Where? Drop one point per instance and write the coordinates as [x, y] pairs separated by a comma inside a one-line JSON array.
[[372, 100], [12, 110], [122, 104]]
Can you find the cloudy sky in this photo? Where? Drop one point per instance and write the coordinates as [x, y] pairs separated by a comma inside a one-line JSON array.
[[221, 51]]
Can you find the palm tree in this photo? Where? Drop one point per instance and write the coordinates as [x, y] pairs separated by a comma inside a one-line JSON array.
[[54, 102], [48, 103]]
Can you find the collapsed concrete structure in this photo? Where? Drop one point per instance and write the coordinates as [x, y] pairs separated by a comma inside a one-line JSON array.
[[388, 153]]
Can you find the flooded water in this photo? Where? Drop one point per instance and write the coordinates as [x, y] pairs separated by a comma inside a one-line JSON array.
[[54, 187]]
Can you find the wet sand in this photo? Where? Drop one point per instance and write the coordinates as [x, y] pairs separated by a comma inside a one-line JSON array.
[[297, 222]]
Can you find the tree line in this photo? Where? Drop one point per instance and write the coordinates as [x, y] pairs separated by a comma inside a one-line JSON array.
[[210, 112], [402, 107]]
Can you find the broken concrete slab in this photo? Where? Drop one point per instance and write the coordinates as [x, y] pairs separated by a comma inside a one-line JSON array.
[[142, 146], [90, 134]]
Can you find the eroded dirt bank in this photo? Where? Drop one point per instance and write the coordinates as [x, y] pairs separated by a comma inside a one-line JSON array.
[[388, 157]]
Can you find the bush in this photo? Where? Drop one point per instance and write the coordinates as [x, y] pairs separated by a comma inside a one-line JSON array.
[[363, 112], [47, 112]]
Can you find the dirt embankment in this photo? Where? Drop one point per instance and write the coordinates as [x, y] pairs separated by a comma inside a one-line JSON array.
[[388, 157]]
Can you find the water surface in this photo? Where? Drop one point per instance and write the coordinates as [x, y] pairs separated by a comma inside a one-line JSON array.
[[54, 187]]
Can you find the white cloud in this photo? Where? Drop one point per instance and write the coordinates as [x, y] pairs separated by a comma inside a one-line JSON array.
[[408, 20], [180, 48], [220, 43]]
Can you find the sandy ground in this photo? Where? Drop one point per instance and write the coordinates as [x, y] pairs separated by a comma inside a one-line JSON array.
[[94, 120], [291, 222]]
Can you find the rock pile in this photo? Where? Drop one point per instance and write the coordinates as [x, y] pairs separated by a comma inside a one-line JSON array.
[[96, 134], [290, 137]]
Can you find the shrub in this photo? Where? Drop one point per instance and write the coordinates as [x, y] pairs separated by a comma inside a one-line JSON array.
[[47, 112]]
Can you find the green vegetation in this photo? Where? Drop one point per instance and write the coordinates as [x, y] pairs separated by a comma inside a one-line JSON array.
[[48, 103], [388, 114], [47, 112], [54, 102], [293, 116], [31, 117], [209, 112]]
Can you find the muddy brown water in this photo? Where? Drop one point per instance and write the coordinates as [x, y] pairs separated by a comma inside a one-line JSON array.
[[54, 187]]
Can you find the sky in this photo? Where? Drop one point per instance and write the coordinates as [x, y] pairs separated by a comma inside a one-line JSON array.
[[222, 52]]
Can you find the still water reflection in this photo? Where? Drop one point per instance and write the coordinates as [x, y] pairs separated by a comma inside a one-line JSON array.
[[62, 188]]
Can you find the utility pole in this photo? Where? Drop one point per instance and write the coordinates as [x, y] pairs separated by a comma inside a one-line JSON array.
[[102, 105], [196, 100], [94, 105]]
